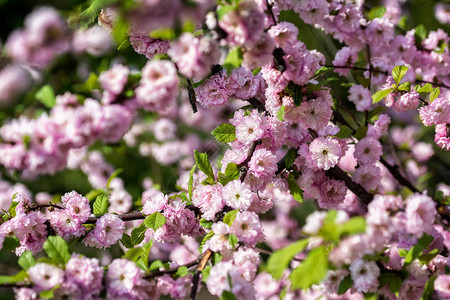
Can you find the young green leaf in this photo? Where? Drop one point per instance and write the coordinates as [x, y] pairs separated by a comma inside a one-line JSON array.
[[182, 271], [361, 132], [295, 189], [429, 288], [227, 295], [232, 172], [378, 96], [208, 236], [205, 223], [290, 157], [280, 113], [345, 285], [145, 251], [126, 241], [398, 72], [311, 271], [417, 249], [163, 33], [46, 96], [137, 234], [229, 217], [113, 175], [427, 88], [26, 260], [434, 94], [233, 60], [344, 133], [280, 259], [19, 277], [201, 159], [155, 220], [56, 248], [225, 133], [233, 240], [376, 12], [101, 205]]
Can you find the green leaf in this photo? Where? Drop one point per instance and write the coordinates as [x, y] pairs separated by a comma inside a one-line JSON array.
[[227, 295], [46, 96], [290, 157], [205, 223], [280, 259], [155, 221], [223, 10], [326, 81], [208, 236], [19, 277], [434, 94], [56, 248], [429, 288], [163, 33], [113, 175], [145, 252], [205, 273], [225, 133], [417, 249], [345, 285], [155, 265], [376, 111], [376, 12], [120, 31], [126, 241], [391, 279], [10, 243], [398, 72], [232, 172], [89, 15], [101, 205], [344, 133], [49, 294], [133, 254], [91, 195], [378, 96], [138, 234], [426, 258], [420, 33], [311, 271], [233, 60], [233, 240], [361, 132], [405, 86], [229, 217], [201, 159], [353, 226], [256, 71], [191, 182], [295, 189], [26, 260], [182, 271], [322, 71]]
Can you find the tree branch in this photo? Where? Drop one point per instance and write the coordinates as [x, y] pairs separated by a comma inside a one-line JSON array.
[[200, 267]]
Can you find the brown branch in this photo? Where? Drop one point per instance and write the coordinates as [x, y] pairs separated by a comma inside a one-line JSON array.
[[394, 170], [433, 83], [192, 97], [243, 165], [50, 205], [337, 173], [172, 270], [125, 217], [200, 267], [269, 8], [257, 104], [15, 285]]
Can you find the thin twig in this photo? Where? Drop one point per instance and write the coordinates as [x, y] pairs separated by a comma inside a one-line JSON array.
[[191, 94], [394, 170], [171, 270], [200, 267]]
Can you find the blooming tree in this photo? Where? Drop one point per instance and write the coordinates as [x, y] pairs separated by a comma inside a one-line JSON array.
[[249, 149]]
